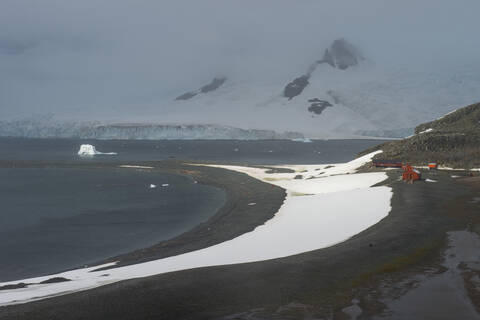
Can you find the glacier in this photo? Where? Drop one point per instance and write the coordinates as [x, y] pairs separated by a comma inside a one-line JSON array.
[[49, 128]]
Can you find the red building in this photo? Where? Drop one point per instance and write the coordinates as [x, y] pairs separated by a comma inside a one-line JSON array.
[[410, 174], [432, 165], [387, 163]]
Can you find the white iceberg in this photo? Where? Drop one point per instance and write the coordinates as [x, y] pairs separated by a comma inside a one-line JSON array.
[[89, 150], [153, 186]]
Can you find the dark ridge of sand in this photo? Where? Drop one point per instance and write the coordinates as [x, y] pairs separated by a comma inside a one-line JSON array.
[[315, 284]]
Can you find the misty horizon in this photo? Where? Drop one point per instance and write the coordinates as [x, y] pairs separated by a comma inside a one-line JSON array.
[[120, 61]]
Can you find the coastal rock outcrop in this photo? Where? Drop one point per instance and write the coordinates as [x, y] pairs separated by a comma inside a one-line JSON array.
[[452, 140]]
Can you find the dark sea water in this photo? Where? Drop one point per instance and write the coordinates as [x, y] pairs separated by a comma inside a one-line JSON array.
[[240, 151], [53, 219]]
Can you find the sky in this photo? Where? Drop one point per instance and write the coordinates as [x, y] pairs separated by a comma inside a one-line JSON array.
[[59, 56]]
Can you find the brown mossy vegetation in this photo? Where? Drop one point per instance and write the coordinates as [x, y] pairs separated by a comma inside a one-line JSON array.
[[454, 141]]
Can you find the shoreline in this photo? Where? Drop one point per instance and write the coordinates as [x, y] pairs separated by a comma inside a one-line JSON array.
[[312, 281], [297, 215], [232, 219]]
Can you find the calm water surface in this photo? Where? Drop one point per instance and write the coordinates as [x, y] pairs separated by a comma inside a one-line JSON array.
[[54, 219], [240, 151]]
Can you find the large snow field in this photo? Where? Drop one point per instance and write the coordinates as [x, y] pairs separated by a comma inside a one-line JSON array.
[[335, 208]]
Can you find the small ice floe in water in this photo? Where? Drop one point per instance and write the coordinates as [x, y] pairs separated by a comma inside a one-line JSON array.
[[430, 180], [252, 203], [304, 140], [165, 185], [153, 186], [89, 150], [270, 151], [134, 167], [236, 149]]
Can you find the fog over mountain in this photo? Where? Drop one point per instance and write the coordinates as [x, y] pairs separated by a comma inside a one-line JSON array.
[[246, 64]]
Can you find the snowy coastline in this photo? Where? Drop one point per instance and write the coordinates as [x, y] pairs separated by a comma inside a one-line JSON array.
[[315, 215]]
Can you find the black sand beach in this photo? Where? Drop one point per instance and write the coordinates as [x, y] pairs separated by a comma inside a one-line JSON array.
[[317, 284]]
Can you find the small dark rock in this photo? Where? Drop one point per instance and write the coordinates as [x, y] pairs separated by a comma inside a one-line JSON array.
[[214, 85], [298, 176], [55, 280], [318, 105], [186, 96], [14, 286]]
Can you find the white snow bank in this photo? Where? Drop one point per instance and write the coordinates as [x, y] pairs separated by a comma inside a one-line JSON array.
[[135, 167], [89, 150], [304, 140], [425, 131], [314, 177], [430, 180], [341, 207]]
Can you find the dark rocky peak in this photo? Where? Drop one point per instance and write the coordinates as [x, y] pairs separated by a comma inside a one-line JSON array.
[[328, 58], [212, 86], [296, 87], [341, 55], [344, 54]]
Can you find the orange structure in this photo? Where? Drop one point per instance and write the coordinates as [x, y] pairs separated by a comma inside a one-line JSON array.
[[432, 165], [410, 174]]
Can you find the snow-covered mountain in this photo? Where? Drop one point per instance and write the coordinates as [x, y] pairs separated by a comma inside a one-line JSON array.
[[342, 94]]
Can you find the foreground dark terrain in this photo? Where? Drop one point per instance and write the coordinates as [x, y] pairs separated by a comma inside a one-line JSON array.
[[368, 269]]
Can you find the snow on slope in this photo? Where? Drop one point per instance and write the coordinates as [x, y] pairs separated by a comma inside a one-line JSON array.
[[312, 222], [367, 100]]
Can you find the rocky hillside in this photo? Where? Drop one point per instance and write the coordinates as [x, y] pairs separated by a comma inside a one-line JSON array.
[[452, 141]]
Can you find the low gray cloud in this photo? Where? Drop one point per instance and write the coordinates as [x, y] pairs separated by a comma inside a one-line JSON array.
[[102, 55]]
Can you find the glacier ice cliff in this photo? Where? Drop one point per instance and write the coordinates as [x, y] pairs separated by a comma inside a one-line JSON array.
[[96, 130]]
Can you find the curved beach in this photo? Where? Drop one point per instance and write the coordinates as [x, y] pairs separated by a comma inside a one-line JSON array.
[[318, 278], [313, 212]]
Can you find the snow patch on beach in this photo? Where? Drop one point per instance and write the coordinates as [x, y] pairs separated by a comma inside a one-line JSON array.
[[426, 131], [90, 150], [338, 205], [134, 167]]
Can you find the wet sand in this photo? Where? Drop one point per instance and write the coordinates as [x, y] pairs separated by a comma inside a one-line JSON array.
[[315, 284]]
